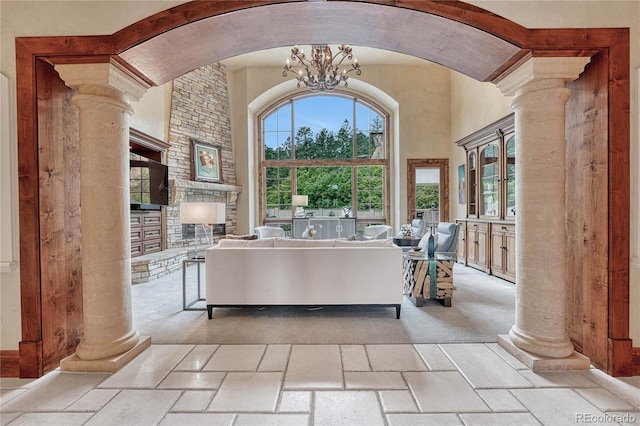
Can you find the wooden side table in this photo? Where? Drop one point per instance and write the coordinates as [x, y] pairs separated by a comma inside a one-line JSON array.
[[428, 278]]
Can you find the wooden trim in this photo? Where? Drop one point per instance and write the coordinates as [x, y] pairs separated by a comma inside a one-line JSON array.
[[635, 354], [31, 363], [487, 133], [9, 363]]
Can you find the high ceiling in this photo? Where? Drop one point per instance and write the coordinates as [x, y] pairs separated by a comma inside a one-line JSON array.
[[277, 57]]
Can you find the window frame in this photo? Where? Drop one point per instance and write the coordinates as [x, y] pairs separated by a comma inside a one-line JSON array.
[[352, 162]]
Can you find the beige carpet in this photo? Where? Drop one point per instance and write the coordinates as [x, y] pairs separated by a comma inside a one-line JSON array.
[[483, 307]]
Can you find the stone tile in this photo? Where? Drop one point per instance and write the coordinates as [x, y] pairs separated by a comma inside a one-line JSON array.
[[483, 368], [192, 400], [559, 407], [295, 402], [499, 419], [197, 358], [374, 380], [354, 358], [244, 391], [510, 359], [272, 419], [7, 395], [149, 368], [394, 358], [435, 359], [423, 419], [500, 400], [55, 393], [314, 367], [275, 358], [16, 383], [558, 379], [348, 408], [198, 419], [397, 401], [6, 418], [443, 392], [136, 407], [93, 400], [192, 380], [605, 400], [236, 358], [67, 419]]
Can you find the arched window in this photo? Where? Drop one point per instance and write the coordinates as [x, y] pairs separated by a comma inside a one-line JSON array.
[[331, 148]]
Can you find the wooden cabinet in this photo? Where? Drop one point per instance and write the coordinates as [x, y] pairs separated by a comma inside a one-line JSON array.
[[461, 249], [146, 232], [477, 242], [503, 250]]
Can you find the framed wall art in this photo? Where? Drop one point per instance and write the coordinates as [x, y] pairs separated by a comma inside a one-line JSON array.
[[206, 162]]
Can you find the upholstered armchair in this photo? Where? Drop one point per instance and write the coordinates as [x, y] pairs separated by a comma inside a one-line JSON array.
[[269, 232], [447, 238], [419, 227], [376, 232]]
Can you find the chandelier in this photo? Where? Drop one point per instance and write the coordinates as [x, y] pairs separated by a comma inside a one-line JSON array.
[[319, 73]]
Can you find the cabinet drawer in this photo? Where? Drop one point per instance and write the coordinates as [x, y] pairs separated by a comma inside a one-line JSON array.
[[136, 249], [152, 219], [135, 220], [151, 233], [136, 235], [151, 246]]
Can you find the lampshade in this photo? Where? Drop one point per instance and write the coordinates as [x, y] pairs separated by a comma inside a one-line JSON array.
[[202, 213], [299, 200]]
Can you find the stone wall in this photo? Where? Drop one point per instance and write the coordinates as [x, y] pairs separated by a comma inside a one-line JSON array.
[[200, 111]]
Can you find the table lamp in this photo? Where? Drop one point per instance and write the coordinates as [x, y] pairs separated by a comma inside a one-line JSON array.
[[202, 214], [299, 202]]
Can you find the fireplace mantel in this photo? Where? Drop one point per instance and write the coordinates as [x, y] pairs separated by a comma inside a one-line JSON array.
[[178, 187]]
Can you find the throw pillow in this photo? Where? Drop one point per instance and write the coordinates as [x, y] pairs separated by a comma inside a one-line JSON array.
[[424, 241]]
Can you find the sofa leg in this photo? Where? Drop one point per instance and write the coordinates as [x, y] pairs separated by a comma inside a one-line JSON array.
[[210, 311], [398, 307]]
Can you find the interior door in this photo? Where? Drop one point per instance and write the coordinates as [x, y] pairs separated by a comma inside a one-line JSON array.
[[428, 190]]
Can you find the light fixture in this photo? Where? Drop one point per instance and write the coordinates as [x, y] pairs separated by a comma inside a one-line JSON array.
[[299, 202], [202, 214], [319, 73]]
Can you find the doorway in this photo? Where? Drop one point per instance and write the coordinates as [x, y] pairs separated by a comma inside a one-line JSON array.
[[428, 190]]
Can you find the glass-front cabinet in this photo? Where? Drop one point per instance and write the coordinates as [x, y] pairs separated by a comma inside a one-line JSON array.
[[488, 242]]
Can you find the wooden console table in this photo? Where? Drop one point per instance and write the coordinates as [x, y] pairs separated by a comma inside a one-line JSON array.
[[428, 278]]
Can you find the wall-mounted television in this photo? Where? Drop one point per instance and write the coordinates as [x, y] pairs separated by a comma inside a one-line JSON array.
[[148, 184]]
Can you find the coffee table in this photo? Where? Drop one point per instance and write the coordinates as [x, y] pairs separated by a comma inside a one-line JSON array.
[[428, 278]]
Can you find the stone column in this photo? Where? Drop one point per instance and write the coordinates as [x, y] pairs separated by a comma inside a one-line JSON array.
[[103, 97], [539, 105]]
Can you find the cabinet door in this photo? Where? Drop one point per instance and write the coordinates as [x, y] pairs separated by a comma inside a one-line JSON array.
[[497, 250], [462, 243], [472, 244], [510, 254], [482, 239]]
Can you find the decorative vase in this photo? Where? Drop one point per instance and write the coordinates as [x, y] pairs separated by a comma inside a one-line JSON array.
[[431, 246]]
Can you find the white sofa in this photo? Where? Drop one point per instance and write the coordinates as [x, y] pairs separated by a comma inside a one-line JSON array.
[[289, 272]]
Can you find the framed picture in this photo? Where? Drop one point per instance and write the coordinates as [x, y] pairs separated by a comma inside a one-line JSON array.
[[206, 161]]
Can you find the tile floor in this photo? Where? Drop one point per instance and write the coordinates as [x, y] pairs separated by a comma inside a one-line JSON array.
[[422, 384]]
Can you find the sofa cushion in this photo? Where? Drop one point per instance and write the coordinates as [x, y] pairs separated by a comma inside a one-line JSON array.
[[387, 242], [287, 242], [241, 237], [246, 243]]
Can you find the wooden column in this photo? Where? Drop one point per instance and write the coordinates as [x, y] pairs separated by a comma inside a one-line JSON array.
[[103, 97], [539, 336]]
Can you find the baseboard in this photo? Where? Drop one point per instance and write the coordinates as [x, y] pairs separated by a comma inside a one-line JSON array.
[[635, 355], [9, 364]]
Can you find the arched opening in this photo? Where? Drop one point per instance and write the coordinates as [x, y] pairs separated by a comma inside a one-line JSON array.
[[456, 35]]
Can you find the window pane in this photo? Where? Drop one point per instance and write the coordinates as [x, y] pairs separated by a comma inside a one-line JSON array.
[[328, 188], [369, 132], [278, 192], [370, 192], [511, 176], [489, 180]]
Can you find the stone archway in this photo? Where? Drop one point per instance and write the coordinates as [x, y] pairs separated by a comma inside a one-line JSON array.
[[460, 36]]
